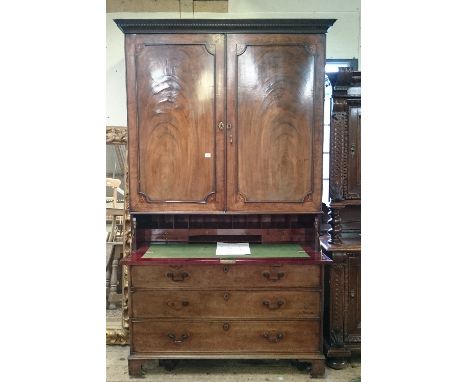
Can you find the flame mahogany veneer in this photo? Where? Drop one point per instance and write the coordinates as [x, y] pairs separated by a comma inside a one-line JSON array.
[[225, 132]]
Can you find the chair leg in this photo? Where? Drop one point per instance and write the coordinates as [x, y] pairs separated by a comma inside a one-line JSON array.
[[113, 282]]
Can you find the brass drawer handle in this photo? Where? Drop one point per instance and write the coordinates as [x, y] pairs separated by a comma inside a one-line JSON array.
[[174, 339], [178, 276], [273, 276], [273, 305], [273, 337]]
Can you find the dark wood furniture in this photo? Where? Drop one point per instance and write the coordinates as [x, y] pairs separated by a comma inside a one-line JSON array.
[[225, 124], [226, 308], [343, 243], [345, 148]]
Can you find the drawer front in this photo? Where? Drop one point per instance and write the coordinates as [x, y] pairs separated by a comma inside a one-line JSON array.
[[225, 276], [229, 303], [225, 336]]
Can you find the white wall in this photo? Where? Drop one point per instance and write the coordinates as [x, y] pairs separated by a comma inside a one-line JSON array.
[[343, 40]]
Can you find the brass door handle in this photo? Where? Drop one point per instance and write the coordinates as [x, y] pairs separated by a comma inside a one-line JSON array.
[[178, 276], [273, 305]]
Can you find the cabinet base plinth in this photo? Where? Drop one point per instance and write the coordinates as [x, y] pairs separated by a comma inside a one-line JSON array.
[[313, 363]]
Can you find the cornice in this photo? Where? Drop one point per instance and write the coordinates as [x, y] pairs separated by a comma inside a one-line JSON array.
[[131, 26]]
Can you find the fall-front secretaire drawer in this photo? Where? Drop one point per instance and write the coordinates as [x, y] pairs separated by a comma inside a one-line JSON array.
[[225, 276], [226, 336], [228, 303]]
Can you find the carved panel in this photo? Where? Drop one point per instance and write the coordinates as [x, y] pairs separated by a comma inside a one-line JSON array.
[[345, 146], [274, 119], [116, 337], [127, 249], [116, 135], [176, 126], [352, 323], [339, 123], [352, 181], [121, 336], [337, 280]]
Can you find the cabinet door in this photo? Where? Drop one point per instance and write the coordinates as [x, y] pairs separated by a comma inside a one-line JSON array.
[[354, 152], [275, 86], [175, 92]]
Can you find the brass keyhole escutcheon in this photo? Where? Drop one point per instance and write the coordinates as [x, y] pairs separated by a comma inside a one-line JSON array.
[[226, 269], [226, 326], [221, 125], [226, 296]]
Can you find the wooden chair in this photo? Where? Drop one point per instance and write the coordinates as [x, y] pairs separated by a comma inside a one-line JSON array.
[[114, 247]]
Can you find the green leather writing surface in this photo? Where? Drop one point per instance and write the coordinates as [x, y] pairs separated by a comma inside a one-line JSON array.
[[208, 251]]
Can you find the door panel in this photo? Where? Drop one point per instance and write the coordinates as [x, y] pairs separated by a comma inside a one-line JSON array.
[[274, 134], [176, 153], [352, 330], [354, 153]]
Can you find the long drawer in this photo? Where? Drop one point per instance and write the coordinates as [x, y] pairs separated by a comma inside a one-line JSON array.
[[225, 336], [228, 303], [218, 275]]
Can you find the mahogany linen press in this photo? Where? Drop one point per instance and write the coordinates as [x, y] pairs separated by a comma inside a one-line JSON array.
[[225, 134]]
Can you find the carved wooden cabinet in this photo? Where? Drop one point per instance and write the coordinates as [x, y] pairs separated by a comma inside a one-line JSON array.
[[343, 244], [342, 302], [225, 131], [345, 148]]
